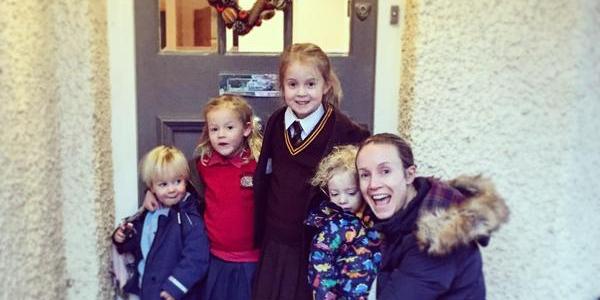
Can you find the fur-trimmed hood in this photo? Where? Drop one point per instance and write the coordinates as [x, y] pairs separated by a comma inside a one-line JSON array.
[[472, 215]]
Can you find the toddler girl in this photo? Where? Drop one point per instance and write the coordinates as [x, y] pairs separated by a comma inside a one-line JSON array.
[[344, 255]]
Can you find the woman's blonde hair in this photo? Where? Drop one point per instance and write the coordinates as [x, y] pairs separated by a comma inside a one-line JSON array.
[[312, 54], [163, 162], [341, 159], [246, 116]]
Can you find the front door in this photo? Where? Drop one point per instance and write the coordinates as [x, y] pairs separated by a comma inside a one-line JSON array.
[[175, 79]]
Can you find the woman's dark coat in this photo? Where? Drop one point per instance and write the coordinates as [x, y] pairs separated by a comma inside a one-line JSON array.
[[431, 248]]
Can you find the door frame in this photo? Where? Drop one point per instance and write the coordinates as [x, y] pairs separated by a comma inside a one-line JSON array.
[[121, 42]]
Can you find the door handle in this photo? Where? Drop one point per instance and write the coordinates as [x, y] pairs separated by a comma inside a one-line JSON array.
[[362, 9]]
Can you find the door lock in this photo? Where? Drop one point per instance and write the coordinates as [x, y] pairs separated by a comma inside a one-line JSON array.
[[362, 10]]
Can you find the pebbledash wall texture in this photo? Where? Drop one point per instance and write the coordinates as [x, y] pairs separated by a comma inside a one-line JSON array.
[[511, 89], [56, 211]]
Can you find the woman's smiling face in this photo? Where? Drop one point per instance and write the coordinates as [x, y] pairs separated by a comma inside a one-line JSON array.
[[384, 183]]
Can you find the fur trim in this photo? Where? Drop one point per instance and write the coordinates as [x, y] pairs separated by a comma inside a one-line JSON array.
[[483, 211]]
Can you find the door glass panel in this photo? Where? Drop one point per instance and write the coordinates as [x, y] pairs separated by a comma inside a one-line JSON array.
[[191, 25], [187, 25], [322, 22], [268, 37]]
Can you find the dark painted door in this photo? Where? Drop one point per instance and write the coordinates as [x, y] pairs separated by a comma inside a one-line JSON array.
[[172, 87]]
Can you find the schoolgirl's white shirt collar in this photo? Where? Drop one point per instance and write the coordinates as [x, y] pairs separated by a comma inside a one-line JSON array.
[[308, 124]]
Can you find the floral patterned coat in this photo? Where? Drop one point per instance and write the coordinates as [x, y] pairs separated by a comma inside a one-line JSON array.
[[344, 255]]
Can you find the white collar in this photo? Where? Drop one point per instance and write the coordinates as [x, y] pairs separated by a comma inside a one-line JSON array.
[[308, 123]]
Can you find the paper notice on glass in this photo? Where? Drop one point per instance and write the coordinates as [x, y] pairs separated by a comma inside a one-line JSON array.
[[249, 85]]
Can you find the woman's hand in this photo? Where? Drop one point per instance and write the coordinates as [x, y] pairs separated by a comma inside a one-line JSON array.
[[150, 201]]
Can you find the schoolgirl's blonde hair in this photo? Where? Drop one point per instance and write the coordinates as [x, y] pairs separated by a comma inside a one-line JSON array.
[[241, 107], [312, 54], [341, 159], [163, 162]]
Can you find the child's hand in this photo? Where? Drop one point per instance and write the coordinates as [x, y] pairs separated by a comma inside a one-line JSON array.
[[122, 232], [150, 202], [165, 295]]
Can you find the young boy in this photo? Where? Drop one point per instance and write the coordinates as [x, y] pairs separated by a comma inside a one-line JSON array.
[[169, 244]]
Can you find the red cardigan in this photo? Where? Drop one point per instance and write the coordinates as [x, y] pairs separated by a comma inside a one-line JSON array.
[[229, 210]]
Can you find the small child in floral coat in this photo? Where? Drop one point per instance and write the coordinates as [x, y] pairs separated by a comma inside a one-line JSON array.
[[344, 256]]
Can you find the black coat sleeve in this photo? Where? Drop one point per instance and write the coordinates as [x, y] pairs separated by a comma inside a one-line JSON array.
[[196, 185], [418, 276], [348, 131], [261, 180]]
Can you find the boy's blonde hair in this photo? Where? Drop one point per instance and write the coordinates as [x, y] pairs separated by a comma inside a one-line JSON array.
[[312, 54], [162, 162], [341, 159], [246, 116]]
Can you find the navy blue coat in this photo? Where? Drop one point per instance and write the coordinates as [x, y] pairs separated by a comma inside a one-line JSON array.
[[431, 248], [178, 258]]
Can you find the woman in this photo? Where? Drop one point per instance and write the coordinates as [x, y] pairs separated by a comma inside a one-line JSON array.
[[432, 229]]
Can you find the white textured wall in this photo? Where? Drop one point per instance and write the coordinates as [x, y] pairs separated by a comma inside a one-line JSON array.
[[56, 208], [511, 89], [387, 69], [123, 106]]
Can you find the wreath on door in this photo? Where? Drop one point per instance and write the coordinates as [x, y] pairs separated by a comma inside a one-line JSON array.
[[242, 21]]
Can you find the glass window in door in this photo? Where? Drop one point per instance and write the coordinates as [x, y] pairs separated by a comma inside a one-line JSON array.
[[193, 26]]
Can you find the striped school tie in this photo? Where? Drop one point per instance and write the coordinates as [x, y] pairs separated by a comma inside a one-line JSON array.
[[295, 132]]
